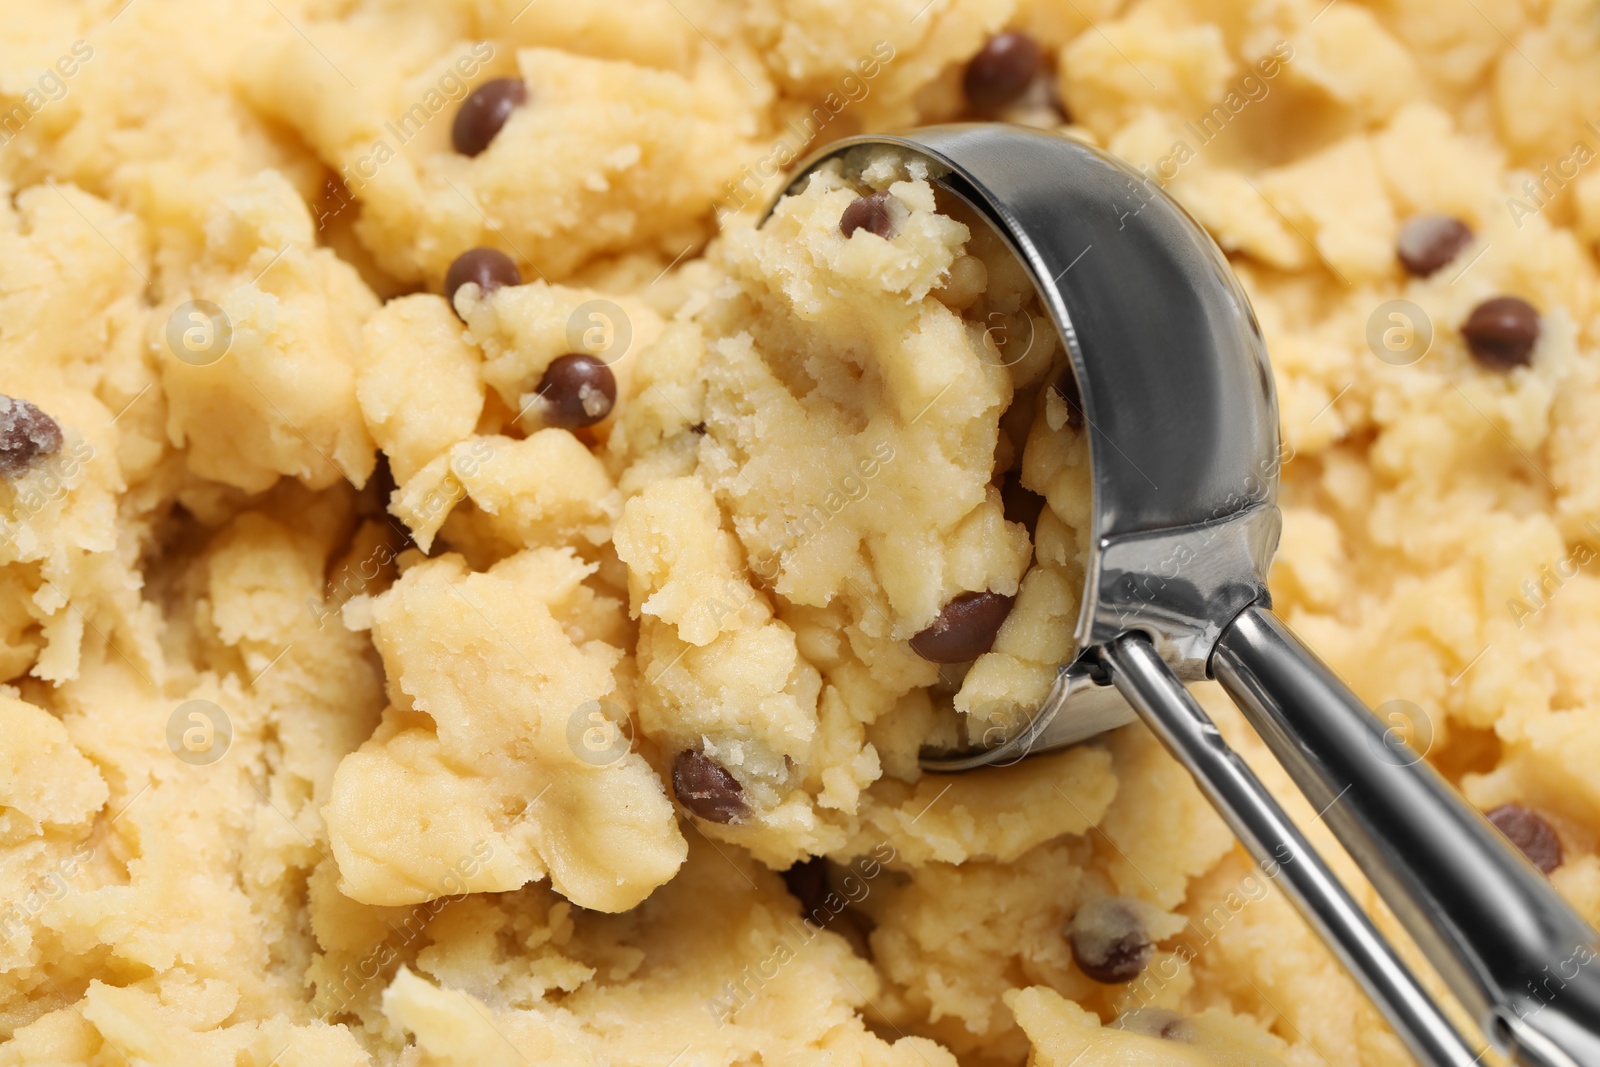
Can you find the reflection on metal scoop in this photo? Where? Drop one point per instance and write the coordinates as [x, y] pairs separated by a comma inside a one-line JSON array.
[[1182, 419]]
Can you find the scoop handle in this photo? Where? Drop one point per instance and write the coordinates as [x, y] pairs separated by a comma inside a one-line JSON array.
[[1510, 948], [1287, 858]]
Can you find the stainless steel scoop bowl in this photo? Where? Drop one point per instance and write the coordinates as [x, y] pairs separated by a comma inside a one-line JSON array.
[[1182, 419]]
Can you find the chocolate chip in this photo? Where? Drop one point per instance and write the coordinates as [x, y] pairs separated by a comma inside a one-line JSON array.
[[489, 267], [484, 112], [1001, 71], [1067, 387], [1530, 833], [706, 789], [1109, 943], [1428, 242], [870, 213], [965, 629], [1501, 333], [1021, 505], [577, 390], [25, 432]]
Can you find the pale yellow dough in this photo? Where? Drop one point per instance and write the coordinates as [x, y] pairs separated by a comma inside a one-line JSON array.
[[341, 692]]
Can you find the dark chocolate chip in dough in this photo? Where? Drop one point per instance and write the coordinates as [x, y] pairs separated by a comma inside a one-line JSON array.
[[870, 213], [484, 113], [1530, 833], [1428, 242], [965, 629], [490, 268], [1001, 71], [706, 788], [1109, 942], [577, 390], [25, 434], [1500, 333]]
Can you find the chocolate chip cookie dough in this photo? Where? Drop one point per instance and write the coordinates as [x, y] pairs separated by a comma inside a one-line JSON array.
[[469, 594]]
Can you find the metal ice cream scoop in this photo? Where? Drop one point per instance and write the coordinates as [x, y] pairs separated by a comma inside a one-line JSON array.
[[1182, 418]]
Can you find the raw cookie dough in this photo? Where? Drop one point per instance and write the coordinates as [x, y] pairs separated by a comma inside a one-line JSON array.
[[535, 672]]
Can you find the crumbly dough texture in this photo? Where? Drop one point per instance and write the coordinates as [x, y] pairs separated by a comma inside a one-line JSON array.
[[341, 695]]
